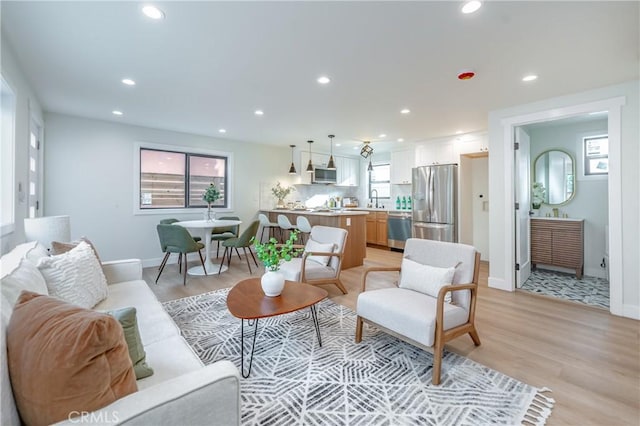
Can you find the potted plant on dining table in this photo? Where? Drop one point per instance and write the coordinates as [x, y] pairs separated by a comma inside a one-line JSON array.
[[211, 195], [272, 255]]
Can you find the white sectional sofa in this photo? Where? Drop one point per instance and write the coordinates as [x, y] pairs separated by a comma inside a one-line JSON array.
[[181, 391]]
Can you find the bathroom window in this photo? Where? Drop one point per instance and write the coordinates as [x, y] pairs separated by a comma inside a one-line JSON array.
[[596, 155]]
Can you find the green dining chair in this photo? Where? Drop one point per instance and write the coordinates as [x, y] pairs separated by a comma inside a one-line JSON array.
[[172, 220], [224, 233], [244, 242], [177, 239]]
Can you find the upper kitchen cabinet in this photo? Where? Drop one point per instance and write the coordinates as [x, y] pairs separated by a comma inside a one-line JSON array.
[[431, 153], [476, 145], [401, 165], [347, 171], [317, 159]]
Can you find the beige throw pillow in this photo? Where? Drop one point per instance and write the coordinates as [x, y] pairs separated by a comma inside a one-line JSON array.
[[314, 246], [75, 276], [424, 278]]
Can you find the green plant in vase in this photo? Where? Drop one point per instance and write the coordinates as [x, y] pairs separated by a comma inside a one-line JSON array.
[[211, 195], [281, 193], [272, 255]]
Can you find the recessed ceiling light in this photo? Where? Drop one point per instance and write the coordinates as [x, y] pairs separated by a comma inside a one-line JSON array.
[[355, 147], [400, 140], [324, 80], [458, 132], [382, 135], [405, 111], [338, 144], [471, 6], [222, 130], [152, 12], [259, 112], [116, 112], [529, 77], [128, 82]]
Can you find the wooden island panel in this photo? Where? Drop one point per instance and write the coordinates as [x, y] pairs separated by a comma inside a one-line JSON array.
[[355, 223]]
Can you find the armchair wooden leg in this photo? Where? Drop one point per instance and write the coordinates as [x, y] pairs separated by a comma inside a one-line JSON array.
[[184, 270], [474, 336], [359, 324], [437, 363], [341, 286], [162, 265]]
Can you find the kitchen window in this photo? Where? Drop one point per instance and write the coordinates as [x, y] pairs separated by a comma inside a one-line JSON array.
[[596, 155], [172, 179], [380, 180]]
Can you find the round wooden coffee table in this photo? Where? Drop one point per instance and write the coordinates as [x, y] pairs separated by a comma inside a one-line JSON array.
[[247, 301]]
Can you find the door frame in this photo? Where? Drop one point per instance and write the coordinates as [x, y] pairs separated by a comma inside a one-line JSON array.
[[613, 107]]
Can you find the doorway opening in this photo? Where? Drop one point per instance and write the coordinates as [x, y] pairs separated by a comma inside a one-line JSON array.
[[562, 223]]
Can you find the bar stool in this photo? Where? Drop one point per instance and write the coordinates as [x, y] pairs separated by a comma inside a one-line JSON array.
[[266, 224], [303, 225], [285, 225]]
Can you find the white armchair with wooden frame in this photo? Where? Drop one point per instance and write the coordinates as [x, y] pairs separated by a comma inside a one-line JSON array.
[[433, 302], [321, 262]]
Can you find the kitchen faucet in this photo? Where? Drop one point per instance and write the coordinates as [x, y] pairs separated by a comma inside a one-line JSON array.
[[371, 196]]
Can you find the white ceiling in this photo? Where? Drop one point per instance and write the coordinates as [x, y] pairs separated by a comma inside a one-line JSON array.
[[209, 65]]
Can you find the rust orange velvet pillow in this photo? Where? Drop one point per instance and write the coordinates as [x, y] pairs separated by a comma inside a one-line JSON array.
[[64, 359]]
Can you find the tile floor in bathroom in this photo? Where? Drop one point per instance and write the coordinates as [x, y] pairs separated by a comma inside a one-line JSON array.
[[588, 290]]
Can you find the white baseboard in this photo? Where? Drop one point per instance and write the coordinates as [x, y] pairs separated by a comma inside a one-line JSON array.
[[499, 283], [595, 272], [631, 311]]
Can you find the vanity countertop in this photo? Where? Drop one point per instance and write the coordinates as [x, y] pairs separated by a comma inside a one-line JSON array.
[[556, 218]]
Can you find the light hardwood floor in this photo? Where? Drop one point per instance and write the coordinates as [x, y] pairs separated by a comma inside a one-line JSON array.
[[588, 357]]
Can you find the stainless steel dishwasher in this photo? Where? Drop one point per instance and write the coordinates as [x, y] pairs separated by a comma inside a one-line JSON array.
[[398, 229]]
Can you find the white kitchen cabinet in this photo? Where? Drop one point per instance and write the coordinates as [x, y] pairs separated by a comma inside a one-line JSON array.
[[431, 153], [347, 171], [401, 165], [317, 159], [473, 146]]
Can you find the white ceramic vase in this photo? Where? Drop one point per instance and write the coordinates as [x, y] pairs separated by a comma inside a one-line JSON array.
[[272, 283]]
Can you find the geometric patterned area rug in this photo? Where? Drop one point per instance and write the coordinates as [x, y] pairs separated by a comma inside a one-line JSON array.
[[381, 381]]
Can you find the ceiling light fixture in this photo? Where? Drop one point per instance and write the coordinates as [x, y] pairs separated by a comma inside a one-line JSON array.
[[222, 130], [259, 112], [128, 82], [471, 6], [310, 165], [382, 135], [370, 167], [292, 169], [405, 111], [366, 150], [116, 112], [529, 77], [458, 132], [153, 12], [324, 80], [338, 144], [400, 140], [331, 165]]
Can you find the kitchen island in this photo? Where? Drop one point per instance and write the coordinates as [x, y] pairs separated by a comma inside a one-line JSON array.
[[353, 221]]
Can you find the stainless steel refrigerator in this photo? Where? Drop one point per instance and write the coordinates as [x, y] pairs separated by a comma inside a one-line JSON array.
[[435, 202]]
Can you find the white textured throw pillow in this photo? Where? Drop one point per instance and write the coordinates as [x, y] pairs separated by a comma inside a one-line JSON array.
[[317, 247], [75, 277], [25, 277], [425, 279]]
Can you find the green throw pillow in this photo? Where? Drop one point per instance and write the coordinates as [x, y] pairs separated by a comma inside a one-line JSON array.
[[129, 322]]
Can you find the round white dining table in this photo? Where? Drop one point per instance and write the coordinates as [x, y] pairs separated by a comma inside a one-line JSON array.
[[204, 228]]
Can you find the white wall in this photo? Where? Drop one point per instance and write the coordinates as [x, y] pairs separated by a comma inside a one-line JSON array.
[[627, 214], [480, 195], [89, 175], [590, 200], [27, 107]]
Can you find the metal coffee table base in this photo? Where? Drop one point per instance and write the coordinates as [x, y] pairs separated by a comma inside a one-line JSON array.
[[314, 315]]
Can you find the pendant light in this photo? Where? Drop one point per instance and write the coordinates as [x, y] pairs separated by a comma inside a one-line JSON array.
[[292, 169], [310, 165], [370, 168], [331, 165]]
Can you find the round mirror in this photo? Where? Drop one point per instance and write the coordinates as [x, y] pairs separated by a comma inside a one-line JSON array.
[[555, 170]]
